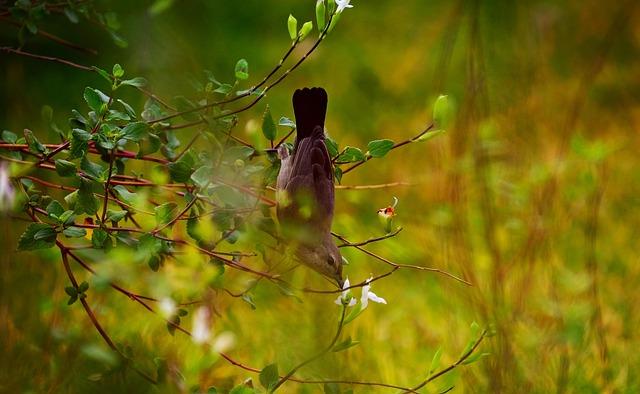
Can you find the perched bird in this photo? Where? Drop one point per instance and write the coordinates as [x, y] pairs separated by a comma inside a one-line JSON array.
[[305, 188]]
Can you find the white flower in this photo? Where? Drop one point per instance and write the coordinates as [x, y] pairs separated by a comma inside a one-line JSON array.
[[223, 342], [201, 332], [7, 195], [367, 295], [167, 307], [342, 4], [346, 295]]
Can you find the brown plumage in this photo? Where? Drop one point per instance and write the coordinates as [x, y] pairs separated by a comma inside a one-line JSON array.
[[306, 189]]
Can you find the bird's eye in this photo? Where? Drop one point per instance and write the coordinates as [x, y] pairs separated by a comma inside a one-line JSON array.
[[331, 261]]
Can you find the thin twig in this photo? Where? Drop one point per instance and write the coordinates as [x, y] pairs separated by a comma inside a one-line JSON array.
[[398, 145], [391, 263]]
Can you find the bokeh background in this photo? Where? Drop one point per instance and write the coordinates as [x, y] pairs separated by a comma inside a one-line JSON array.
[[532, 194]]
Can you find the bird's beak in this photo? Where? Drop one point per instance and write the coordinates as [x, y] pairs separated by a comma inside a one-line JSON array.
[[340, 283]]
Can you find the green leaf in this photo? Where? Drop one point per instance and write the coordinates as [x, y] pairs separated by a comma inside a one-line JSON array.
[[37, 236], [475, 357], [71, 291], [268, 125], [292, 26], [119, 41], [334, 20], [79, 143], [84, 286], [224, 88], [246, 297], [117, 71], [93, 170], [103, 74], [72, 299], [305, 29], [154, 263], [74, 232], [67, 217], [138, 82], [435, 361], [332, 146], [86, 202], [337, 172], [269, 376], [441, 112], [237, 152], [128, 108], [124, 194], [72, 199], [94, 99], [164, 213], [355, 312], [430, 134], [135, 131], [286, 122], [181, 170], [346, 344], [55, 209], [149, 145], [115, 115], [320, 14], [9, 137], [379, 148], [242, 69], [65, 168], [71, 15], [351, 154], [202, 176], [116, 216], [34, 145], [100, 239]]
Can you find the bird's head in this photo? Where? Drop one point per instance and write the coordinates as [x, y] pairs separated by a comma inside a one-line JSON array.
[[324, 258]]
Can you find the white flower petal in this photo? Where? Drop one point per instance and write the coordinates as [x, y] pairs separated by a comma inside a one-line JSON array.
[[167, 307], [352, 302], [225, 341], [342, 4], [373, 297], [201, 331], [364, 299]]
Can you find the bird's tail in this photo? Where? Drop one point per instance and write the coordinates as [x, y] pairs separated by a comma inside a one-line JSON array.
[[310, 109]]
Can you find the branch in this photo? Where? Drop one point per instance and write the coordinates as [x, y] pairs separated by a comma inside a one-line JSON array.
[[371, 240], [398, 145], [47, 58], [391, 263]]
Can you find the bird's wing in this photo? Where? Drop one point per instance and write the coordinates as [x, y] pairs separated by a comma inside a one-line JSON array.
[[310, 185]]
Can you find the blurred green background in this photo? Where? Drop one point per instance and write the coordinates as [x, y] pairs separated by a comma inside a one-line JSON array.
[[532, 195]]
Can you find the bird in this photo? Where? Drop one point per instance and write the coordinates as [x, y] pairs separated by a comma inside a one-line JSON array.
[[305, 188]]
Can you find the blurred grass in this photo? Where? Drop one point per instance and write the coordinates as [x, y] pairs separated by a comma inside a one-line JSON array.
[[547, 100]]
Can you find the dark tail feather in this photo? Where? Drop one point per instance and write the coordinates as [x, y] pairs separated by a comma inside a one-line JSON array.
[[310, 109]]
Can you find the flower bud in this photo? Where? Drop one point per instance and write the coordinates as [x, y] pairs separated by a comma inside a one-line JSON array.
[[305, 29], [320, 14], [292, 25], [385, 215]]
